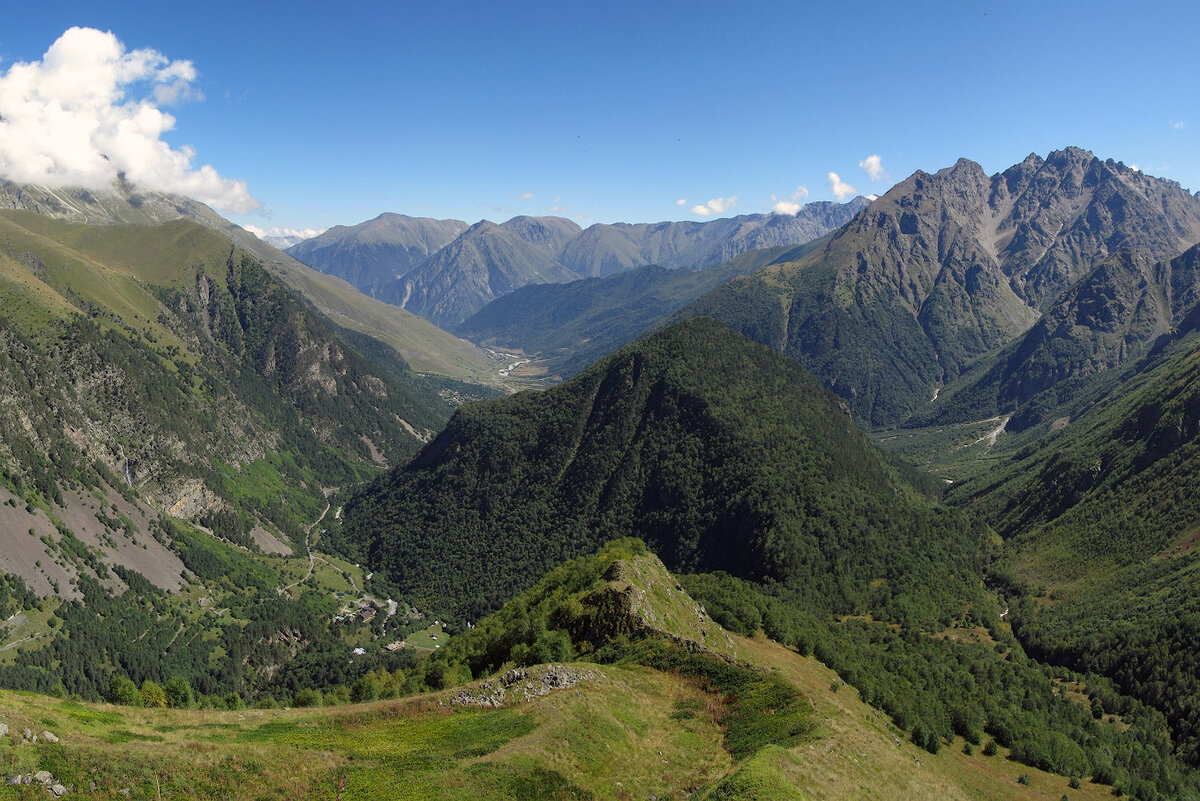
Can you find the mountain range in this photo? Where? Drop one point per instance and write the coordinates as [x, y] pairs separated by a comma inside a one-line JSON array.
[[221, 482], [946, 268], [398, 258], [569, 326], [373, 254]]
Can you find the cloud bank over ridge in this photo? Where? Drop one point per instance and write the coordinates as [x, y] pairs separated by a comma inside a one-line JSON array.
[[88, 112]]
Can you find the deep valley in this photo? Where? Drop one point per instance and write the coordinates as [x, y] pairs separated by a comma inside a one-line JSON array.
[[890, 498]]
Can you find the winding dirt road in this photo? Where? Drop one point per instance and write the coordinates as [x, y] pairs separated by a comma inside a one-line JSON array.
[[308, 548]]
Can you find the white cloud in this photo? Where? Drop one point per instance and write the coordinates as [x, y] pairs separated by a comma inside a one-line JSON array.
[[88, 112], [526, 196], [791, 205], [1135, 168], [872, 165], [840, 189], [718, 205], [681, 202], [302, 233], [1178, 125]]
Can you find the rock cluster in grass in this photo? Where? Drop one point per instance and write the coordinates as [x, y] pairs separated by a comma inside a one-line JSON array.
[[29, 736], [520, 684], [43, 777]]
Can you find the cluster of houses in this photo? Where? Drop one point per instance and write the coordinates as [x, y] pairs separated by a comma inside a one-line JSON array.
[[367, 611], [363, 614]]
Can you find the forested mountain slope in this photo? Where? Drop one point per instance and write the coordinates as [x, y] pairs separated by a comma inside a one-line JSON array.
[[719, 453], [945, 268], [1102, 516], [165, 360], [171, 414]]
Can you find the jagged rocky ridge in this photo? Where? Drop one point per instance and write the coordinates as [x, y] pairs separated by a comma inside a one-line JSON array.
[[948, 267]]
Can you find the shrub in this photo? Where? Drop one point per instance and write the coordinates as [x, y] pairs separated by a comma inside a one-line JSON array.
[[926, 737], [551, 646], [365, 689], [123, 691], [179, 693], [153, 695]]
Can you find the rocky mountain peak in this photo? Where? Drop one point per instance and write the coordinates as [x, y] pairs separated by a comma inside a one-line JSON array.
[[551, 232], [1056, 221], [964, 169], [953, 264], [481, 227]]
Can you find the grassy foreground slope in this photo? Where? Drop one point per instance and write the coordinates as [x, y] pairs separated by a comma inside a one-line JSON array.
[[622, 734], [655, 711]]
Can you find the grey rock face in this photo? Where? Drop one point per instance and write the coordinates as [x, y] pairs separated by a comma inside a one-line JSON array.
[[947, 267]]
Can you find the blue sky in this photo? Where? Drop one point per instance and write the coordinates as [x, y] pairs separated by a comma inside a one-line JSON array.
[[603, 112]]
